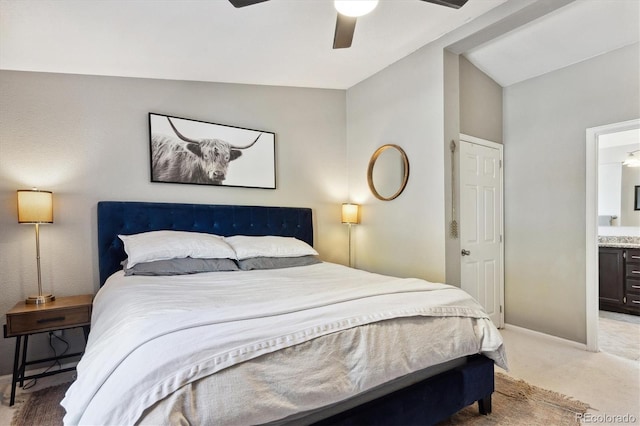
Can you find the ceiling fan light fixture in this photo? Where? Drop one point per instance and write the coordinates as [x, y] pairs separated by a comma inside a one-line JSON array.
[[631, 160], [355, 8]]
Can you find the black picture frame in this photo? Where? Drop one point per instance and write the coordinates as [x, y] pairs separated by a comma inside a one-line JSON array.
[[636, 201], [188, 151]]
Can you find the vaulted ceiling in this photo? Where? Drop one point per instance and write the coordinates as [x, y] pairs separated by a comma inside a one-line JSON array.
[[288, 42], [580, 30]]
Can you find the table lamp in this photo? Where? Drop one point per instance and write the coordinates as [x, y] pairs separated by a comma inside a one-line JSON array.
[[36, 207], [350, 216]]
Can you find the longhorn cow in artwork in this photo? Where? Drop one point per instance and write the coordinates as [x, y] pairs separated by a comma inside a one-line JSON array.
[[187, 160]]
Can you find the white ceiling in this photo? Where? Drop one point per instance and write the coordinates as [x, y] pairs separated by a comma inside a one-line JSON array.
[[288, 42], [624, 138], [614, 147], [578, 31]]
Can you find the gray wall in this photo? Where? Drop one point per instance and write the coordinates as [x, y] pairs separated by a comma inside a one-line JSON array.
[[402, 104], [473, 106], [86, 139], [451, 133], [480, 103], [545, 119], [416, 103]]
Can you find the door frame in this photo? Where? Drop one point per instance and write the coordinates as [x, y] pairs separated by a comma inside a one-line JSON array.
[[591, 231], [500, 148]]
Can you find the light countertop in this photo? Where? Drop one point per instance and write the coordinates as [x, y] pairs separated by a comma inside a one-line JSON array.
[[619, 242]]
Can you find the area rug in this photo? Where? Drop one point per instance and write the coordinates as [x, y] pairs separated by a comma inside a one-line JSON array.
[[41, 407], [515, 402]]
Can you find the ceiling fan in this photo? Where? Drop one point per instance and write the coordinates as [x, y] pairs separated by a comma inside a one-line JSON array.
[[346, 22]]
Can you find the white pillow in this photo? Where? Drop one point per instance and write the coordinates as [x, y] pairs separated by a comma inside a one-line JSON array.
[[268, 246], [163, 245]]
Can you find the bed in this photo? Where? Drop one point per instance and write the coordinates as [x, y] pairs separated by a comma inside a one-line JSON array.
[[309, 343]]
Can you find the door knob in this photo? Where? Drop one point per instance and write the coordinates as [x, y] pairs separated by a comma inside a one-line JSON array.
[[465, 252]]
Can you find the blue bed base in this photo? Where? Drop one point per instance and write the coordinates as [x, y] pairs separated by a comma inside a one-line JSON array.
[[428, 402], [425, 403]]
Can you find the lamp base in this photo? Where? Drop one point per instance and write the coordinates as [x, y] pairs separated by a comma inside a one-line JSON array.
[[40, 300]]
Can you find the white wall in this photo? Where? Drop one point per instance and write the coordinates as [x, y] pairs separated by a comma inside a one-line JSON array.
[[609, 189], [545, 119], [86, 139]]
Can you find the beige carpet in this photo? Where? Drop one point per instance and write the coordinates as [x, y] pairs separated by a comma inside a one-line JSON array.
[[515, 402]]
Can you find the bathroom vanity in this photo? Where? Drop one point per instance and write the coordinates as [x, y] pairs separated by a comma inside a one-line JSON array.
[[619, 275]]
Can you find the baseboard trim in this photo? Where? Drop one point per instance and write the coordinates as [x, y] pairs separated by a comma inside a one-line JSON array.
[[545, 336]]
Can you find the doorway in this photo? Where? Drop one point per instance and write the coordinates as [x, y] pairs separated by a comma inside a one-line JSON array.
[[481, 224], [593, 137]]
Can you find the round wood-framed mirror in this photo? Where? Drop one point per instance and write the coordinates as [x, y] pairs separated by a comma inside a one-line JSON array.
[[388, 172]]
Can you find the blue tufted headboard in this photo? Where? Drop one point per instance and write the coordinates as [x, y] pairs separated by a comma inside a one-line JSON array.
[[123, 217]]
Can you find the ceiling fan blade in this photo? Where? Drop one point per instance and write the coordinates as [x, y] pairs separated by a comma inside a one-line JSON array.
[[345, 26], [243, 3], [456, 4]]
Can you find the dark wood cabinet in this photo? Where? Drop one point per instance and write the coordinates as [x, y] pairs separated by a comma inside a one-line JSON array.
[[632, 280], [619, 280], [611, 276]]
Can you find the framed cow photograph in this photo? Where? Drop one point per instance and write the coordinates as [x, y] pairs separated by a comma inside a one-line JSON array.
[[196, 152]]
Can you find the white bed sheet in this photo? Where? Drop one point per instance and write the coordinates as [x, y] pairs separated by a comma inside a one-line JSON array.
[[153, 335], [305, 383]]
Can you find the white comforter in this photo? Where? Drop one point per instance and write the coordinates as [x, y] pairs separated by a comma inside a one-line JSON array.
[[152, 335]]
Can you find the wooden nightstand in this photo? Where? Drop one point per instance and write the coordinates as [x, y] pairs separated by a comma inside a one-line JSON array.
[[24, 320]]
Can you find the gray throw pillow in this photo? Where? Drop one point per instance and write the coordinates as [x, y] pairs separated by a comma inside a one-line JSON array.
[[255, 263], [181, 266]]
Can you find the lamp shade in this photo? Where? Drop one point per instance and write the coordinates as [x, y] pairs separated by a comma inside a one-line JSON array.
[[35, 206], [350, 213]]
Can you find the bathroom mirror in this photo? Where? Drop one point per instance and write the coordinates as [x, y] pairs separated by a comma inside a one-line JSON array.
[[617, 182], [388, 172]]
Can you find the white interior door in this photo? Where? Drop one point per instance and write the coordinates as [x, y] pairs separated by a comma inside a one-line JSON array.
[[481, 224]]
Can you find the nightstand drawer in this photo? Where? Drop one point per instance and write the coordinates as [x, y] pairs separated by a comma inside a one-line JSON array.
[[64, 312], [25, 319], [48, 320]]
